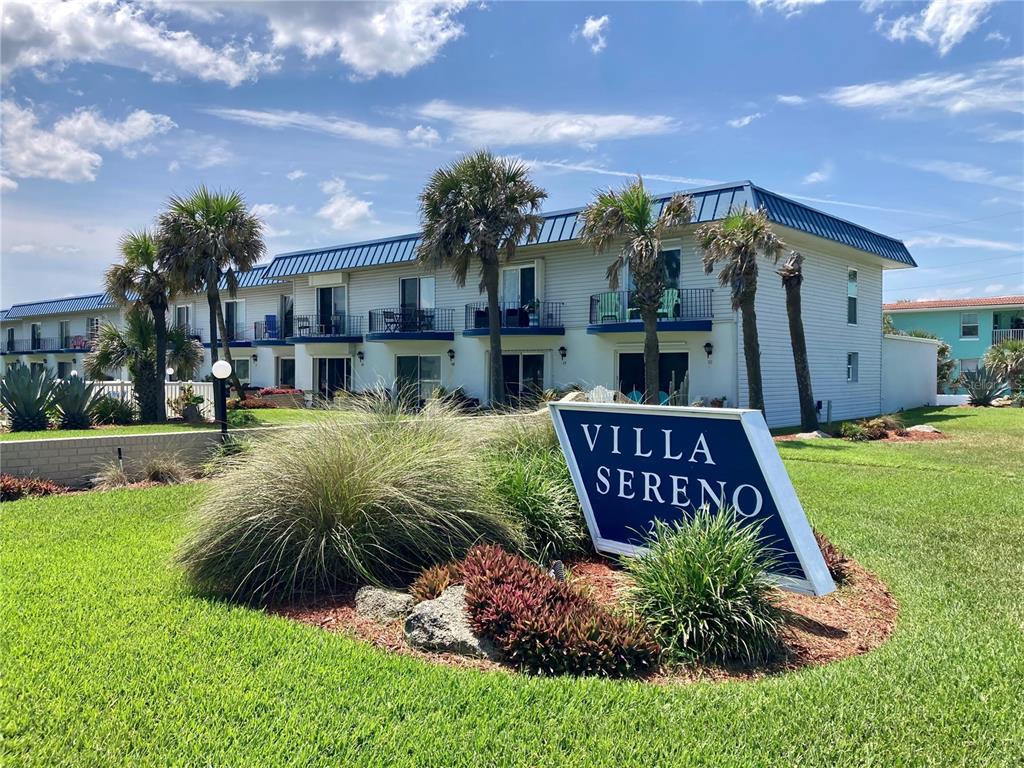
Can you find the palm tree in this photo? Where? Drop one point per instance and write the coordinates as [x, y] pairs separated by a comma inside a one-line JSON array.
[[138, 282], [134, 348], [734, 244], [1007, 359], [626, 218], [479, 209], [206, 237], [792, 274]]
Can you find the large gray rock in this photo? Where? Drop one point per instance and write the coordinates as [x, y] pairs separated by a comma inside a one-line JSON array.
[[383, 604], [924, 428], [816, 435], [442, 626]]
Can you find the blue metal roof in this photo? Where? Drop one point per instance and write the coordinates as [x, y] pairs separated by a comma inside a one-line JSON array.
[[93, 301], [252, 279], [559, 226]]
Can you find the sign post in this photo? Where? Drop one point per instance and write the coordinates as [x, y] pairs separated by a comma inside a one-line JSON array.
[[634, 464]]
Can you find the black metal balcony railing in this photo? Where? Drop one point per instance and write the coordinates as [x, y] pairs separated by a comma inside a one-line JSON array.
[[534, 314], [271, 328], [336, 325], [76, 342], [676, 304], [191, 331], [411, 320], [37, 344]]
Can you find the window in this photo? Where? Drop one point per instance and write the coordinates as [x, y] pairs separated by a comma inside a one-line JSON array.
[[234, 319], [36, 335], [331, 305], [63, 370], [519, 285], [64, 331], [852, 364], [417, 376], [968, 364], [523, 374], [851, 297], [287, 319], [968, 325], [286, 372], [672, 371], [10, 339], [37, 368], [416, 297], [333, 374], [241, 367], [183, 316], [92, 327], [672, 263]]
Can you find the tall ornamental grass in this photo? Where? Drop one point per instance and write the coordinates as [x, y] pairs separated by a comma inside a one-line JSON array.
[[372, 497], [704, 590]]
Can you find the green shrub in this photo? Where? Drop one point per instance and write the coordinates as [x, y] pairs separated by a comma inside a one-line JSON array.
[[26, 395], [545, 626], [167, 468], [110, 409], [851, 430], [983, 386], [13, 487], [75, 402], [239, 419], [1006, 360], [703, 589], [111, 474], [217, 460], [343, 501], [531, 475]]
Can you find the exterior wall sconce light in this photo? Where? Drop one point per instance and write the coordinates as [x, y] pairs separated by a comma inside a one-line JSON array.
[[255, 359], [562, 352], [708, 349], [451, 356], [360, 355]]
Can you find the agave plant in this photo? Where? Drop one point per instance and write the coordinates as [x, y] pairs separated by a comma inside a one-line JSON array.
[[983, 386], [76, 401], [26, 394]]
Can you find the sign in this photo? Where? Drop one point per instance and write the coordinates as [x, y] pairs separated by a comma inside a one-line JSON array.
[[633, 464]]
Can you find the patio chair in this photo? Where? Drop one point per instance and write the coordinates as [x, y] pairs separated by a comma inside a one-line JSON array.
[[270, 326], [669, 304], [304, 326], [392, 321], [609, 308]]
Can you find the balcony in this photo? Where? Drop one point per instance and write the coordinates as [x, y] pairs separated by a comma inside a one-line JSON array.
[[535, 318], [1017, 334], [410, 323], [238, 336], [38, 344], [682, 309], [270, 331], [336, 329], [79, 343]]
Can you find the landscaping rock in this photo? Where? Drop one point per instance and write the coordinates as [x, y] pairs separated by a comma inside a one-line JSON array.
[[383, 604], [815, 435], [442, 626], [924, 428]]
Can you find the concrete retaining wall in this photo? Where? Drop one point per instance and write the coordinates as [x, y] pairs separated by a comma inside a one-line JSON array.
[[908, 372], [75, 460]]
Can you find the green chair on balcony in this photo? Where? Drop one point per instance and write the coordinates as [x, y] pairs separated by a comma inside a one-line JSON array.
[[609, 308], [669, 309]]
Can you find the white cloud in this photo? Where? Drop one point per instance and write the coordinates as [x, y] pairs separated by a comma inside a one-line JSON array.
[[790, 100], [264, 209], [997, 37], [785, 7], [561, 165], [824, 173], [279, 119], [944, 240], [371, 38], [368, 176], [40, 34], [174, 166], [593, 32], [507, 127], [423, 135], [9, 184], [994, 288], [955, 170], [996, 135], [295, 175], [343, 209], [23, 248], [66, 153], [202, 151], [994, 87], [942, 24], [743, 122]]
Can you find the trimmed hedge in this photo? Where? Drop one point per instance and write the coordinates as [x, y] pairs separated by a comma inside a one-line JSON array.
[[547, 627]]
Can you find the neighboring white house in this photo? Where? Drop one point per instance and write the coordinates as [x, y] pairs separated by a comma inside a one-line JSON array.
[[358, 315]]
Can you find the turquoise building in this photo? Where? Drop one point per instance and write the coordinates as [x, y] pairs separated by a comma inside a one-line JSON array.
[[969, 326]]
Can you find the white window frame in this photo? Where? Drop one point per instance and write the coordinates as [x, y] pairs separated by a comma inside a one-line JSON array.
[[518, 267], [92, 326], [976, 324], [852, 367], [439, 382], [852, 292], [248, 369], [277, 371], [188, 315], [239, 310], [968, 364]]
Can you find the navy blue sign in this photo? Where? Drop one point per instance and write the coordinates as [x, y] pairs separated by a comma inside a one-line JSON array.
[[633, 464]]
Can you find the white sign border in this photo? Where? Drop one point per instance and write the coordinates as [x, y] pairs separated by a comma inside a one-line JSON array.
[[818, 582]]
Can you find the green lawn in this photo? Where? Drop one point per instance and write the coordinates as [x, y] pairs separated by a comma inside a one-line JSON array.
[[108, 660], [269, 417]]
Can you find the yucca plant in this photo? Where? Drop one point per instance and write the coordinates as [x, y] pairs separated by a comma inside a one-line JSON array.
[[27, 394], [983, 386], [75, 401]]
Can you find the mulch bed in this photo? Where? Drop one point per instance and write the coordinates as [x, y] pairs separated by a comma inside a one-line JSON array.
[[858, 617], [910, 437]]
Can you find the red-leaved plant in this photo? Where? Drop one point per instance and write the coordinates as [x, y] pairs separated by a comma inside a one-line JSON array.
[[547, 627], [279, 391], [13, 488]]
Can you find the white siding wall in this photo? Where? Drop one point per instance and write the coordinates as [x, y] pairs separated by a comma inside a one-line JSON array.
[[908, 372]]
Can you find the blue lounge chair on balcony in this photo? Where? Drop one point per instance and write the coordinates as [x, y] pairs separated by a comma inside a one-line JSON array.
[[270, 326]]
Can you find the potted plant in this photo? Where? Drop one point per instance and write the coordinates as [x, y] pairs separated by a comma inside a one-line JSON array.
[[532, 308], [186, 404]]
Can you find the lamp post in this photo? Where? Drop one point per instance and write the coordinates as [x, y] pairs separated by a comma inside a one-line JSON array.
[[169, 372], [221, 370]]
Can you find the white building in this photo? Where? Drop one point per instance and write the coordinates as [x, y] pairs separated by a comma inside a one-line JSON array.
[[354, 316]]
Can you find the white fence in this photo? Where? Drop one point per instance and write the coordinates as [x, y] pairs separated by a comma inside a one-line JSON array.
[[908, 372], [125, 390]]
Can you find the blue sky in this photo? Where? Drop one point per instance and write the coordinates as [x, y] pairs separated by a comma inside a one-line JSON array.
[[904, 117]]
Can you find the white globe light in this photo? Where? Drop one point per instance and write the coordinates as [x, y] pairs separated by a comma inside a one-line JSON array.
[[221, 369], [169, 371], [74, 373]]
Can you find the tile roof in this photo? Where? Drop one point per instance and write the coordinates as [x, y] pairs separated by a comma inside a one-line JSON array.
[[988, 301], [560, 226]]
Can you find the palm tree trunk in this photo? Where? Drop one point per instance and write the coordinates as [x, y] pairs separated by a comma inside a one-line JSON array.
[[225, 341], [752, 355], [808, 414], [213, 300], [146, 393], [491, 277], [652, 371], [159, 311]]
